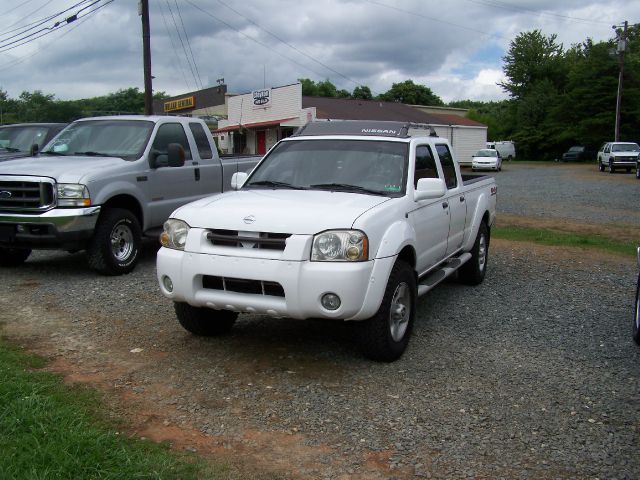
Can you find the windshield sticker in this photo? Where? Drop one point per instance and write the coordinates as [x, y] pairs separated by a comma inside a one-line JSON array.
[[392, 188]]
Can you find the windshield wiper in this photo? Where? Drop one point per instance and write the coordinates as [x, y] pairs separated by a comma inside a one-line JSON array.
[[273, 183], [11, 149], [51, 152], [93, 154], [345, 187]]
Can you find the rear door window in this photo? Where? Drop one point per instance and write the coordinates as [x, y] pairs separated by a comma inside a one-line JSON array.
[[448, 168], [202, 142]]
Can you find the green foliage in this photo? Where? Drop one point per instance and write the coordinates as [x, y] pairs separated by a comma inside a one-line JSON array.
[[411, 94], [48, 430], [362, 92]]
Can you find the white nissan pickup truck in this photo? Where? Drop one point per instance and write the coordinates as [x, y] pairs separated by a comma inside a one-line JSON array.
[[344, 220]]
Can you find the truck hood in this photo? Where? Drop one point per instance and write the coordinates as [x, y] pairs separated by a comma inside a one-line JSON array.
[[64, 169], [4, 155], [278, 211]]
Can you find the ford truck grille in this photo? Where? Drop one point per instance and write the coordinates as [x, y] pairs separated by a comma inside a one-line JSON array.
[[240, 285], [260, 240], [26, 194]]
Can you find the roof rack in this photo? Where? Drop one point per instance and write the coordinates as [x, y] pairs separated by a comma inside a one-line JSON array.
[[366, 127]]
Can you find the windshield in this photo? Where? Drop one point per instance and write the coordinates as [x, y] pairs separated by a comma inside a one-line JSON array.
[[486, 153], [576, 149], [20, 139], [106, 138], [625, 147], [369, 167]]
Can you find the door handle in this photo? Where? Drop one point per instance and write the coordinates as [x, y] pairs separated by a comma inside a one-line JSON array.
[[445, 205], [196, 172], [462, 198]]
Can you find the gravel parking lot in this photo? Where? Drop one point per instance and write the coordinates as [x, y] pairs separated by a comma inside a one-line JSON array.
[[533, 374]]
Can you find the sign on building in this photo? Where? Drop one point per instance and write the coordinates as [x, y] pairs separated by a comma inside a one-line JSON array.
[[261, 98], [179, 104]]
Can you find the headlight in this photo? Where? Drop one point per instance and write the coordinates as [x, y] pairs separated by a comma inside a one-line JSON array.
[[72, 195], [174, 234], [340, 246]]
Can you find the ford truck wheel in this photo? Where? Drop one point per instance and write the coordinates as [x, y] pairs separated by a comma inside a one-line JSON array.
[[612, 169], [204, 321], [115, 245], [473, 272], [13, 257], [384, 337]]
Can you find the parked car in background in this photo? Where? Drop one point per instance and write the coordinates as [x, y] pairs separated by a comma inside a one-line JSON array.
[[26, 139], [486, 159], [578, 153], [636, 319], [614, 155], [506, 148]]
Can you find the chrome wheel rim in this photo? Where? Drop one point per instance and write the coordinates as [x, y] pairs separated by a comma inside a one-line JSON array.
[[482, 252], [121, 242], [400, 311]]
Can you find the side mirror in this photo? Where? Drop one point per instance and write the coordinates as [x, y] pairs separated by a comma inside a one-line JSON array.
[[34, 149], [176, 155], [238, 179], [429, 188]]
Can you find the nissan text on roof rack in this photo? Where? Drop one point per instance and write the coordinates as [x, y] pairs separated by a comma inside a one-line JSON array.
[[344, 220]]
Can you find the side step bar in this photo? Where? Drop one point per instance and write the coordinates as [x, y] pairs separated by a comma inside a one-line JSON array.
[[447, 269]]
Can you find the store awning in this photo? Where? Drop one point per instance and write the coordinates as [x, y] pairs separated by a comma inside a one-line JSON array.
[[231, 128]]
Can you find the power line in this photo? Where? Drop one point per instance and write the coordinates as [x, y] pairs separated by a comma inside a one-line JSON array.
[[174, 48], [25, 17], [47, 30], [175, 24], [193, 58], [252, 39], [290, 45], [519, 8]]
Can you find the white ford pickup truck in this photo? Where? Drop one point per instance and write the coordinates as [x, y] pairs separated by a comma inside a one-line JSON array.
[[345, 220]]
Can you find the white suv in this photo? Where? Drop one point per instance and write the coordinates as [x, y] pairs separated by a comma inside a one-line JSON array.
[[614, 155]]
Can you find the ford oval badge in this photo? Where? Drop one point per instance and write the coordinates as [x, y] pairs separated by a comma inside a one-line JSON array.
[[5, 194]]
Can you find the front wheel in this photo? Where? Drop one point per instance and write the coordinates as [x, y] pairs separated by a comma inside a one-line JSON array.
[[384, 337], [600, 165], [638, 172], [204, 322], [115, 245], [636, 322], [612, 169], [13, 257], [473, 272]]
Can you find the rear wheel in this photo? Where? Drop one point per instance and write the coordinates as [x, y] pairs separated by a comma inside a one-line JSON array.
[[600, 165], [384, 337], [473, 272], [13, 257], [204, 322], [636, 321]]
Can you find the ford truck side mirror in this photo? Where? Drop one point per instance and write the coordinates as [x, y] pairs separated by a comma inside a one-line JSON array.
[[429, 188], [238, 179], [176, 155]]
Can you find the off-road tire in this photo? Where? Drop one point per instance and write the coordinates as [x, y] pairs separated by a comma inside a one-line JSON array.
[[376, 334], [600, 166], [612, 169], [115, 245], [473, 272], [13, 257], [204, 322]]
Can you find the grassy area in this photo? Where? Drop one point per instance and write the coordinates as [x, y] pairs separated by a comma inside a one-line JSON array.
[[51, 431], [550, 237]]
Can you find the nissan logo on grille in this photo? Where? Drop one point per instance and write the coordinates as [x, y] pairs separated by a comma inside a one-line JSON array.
[[5, 194], [249, 219]]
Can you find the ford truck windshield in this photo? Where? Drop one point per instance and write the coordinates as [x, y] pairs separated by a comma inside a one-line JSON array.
[[110, 138], [360, 166]]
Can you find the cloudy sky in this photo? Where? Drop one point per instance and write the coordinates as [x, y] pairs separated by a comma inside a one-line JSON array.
[[455, 47]]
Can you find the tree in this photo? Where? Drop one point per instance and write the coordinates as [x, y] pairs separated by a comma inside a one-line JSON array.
[[362, 92], [532, 57], [411, 94]]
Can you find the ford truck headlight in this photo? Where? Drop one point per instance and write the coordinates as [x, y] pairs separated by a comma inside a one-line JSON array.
[[174, 234], [72, 195], [340, 246]]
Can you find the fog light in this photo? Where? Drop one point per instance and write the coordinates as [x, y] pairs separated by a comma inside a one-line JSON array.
[[331, 301], [168, 284]]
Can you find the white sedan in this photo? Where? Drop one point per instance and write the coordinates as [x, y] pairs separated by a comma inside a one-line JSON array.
[[486, 159]]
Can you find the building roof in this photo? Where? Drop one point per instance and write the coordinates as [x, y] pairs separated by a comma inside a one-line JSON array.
[[350, 109]]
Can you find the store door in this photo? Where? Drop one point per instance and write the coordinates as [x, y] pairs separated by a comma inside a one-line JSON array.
[[261, 142]]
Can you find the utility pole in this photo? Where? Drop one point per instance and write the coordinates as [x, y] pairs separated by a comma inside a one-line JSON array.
[[143, 8], [620, 49]]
